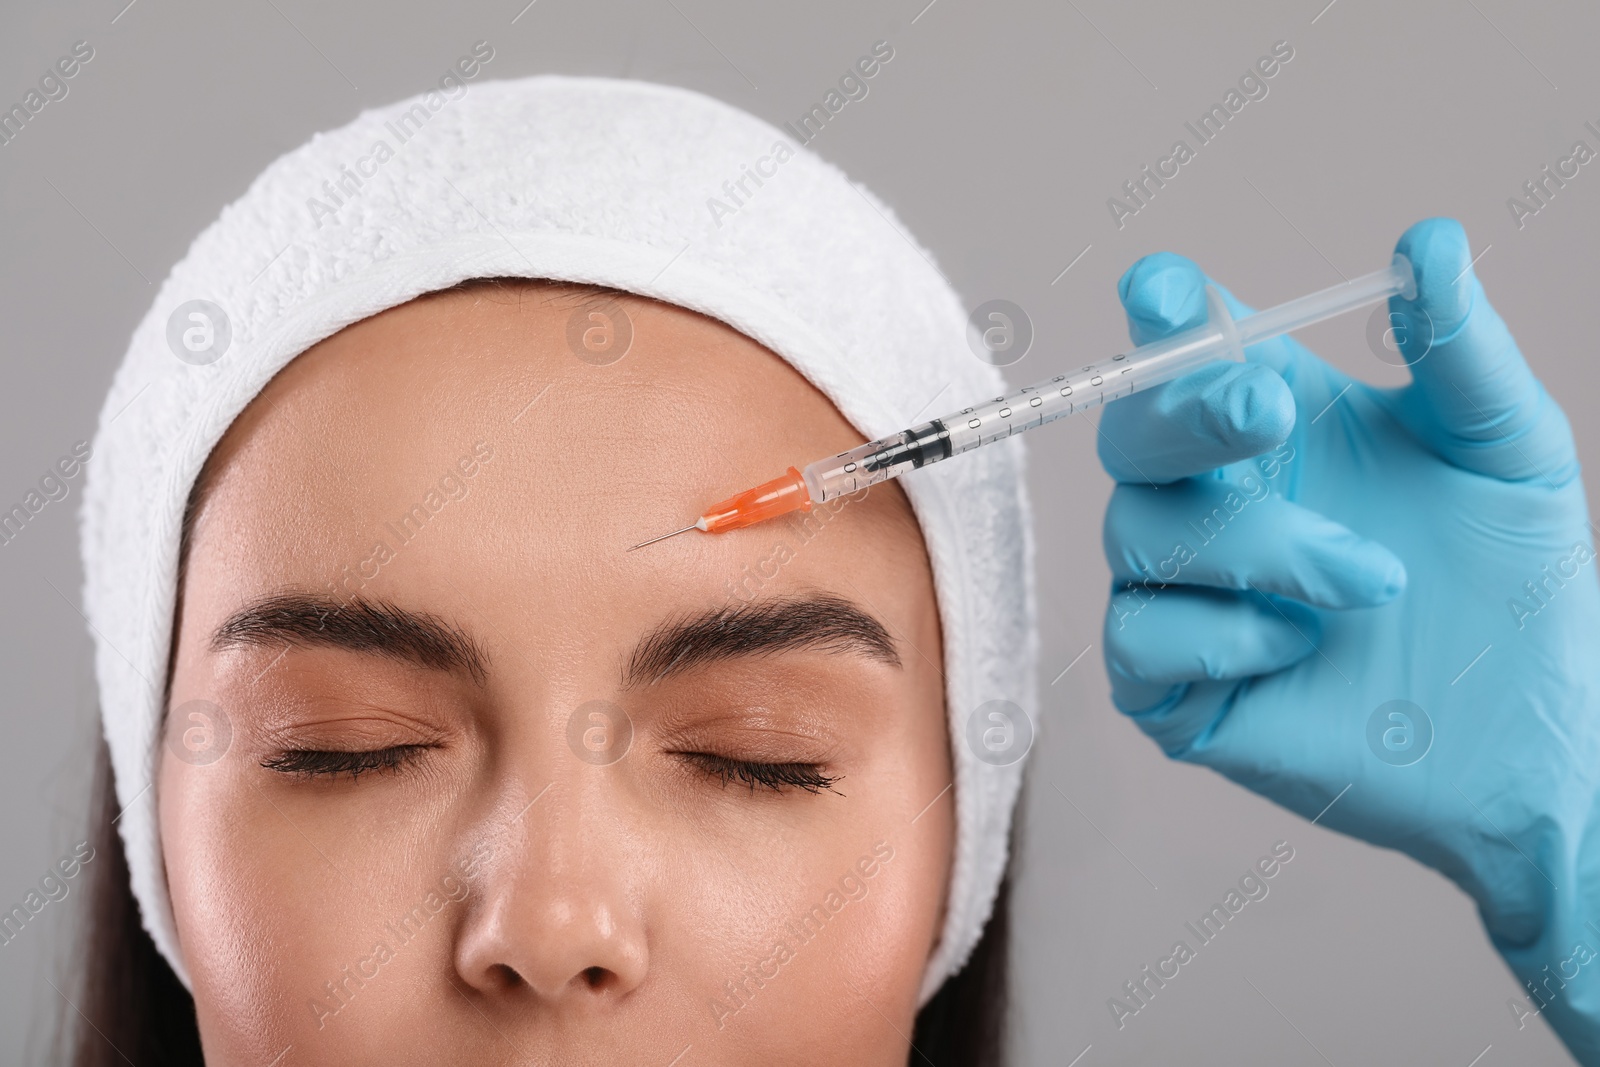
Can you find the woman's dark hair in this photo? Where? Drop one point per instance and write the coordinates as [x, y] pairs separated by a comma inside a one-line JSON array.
[[133, 1010]]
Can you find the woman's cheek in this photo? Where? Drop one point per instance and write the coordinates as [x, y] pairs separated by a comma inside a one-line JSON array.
[[812, 951], [281, 897], [223, 871]]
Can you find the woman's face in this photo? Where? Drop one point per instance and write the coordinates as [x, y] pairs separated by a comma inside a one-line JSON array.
[[494, 789]]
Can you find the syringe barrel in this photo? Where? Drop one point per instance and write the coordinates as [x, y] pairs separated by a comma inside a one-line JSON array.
[[1032, 405]]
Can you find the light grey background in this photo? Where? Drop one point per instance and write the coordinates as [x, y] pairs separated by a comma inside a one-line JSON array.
[[998, 132]]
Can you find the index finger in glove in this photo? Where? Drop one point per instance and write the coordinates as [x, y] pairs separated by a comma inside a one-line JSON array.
[[1207, 419]]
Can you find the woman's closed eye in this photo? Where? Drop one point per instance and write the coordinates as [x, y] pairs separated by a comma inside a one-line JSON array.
[[331, 763], [776, 777]]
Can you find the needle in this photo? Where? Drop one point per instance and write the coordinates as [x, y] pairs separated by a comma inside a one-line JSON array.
[[663, 537]]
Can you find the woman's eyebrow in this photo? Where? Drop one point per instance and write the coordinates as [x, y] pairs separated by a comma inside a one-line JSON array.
[[357, 625], [816, 621]]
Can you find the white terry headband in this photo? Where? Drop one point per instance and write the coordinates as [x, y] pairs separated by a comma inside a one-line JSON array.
[[630, 185]]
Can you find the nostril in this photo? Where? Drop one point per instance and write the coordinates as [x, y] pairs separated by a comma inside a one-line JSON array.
[[506, 976], [595, 976]]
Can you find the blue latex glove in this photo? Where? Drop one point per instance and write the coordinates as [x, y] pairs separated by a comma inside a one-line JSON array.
[[1292, 550]]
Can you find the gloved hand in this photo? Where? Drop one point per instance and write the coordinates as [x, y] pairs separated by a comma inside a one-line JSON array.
[[1292, 550]]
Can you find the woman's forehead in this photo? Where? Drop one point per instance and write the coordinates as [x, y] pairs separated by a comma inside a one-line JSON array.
[[469, 429], [514, 366]]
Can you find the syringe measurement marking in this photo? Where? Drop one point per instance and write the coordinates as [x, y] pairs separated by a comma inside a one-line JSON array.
[[1076, 403]]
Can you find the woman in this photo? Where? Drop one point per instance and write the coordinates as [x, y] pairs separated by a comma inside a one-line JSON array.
[[415, 761], [438, 770]]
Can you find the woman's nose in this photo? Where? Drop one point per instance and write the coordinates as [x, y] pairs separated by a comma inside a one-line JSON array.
[[555, 920]]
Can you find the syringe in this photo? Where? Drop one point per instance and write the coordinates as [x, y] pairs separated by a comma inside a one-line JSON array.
[[1220, 337]]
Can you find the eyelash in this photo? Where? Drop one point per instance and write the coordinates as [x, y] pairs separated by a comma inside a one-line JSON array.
[[318, 763], [773, 776]]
